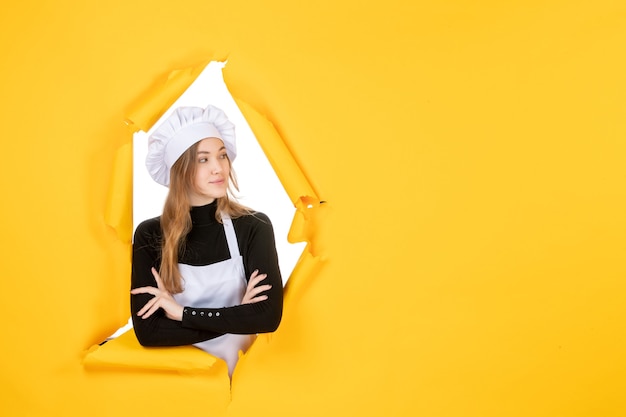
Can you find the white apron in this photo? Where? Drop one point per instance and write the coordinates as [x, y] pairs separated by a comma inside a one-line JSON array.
[[221, 284]]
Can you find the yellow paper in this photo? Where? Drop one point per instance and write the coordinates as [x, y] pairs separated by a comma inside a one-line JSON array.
[[153, 104], [469, 258], [118, 211], [125, 352]]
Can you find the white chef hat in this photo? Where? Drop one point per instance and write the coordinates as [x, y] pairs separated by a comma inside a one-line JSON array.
[[183, 128]]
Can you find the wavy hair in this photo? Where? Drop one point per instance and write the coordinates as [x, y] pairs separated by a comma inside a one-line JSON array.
[[176, 220]]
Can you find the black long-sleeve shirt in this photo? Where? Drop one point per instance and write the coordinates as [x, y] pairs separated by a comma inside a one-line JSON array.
[[206, 244]]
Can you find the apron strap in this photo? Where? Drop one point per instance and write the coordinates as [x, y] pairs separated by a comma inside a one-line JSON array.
[[231, 237]]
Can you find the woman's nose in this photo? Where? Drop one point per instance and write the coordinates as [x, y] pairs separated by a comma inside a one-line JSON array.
[[216, 168]]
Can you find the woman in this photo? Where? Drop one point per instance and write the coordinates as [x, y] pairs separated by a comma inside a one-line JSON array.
[[190, 265]]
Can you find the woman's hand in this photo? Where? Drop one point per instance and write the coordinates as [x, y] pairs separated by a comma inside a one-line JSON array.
[[252, 291], [162, 299]]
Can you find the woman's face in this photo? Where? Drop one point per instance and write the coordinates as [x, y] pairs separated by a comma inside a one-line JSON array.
[[212, 172]]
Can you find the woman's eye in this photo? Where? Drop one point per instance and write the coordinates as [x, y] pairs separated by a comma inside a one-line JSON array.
[[223, 156], [202, 160]]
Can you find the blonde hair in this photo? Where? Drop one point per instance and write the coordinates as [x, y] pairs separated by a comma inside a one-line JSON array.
[[176, 220]]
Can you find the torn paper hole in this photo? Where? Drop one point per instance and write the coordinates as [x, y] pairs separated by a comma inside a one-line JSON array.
[[259, 185]]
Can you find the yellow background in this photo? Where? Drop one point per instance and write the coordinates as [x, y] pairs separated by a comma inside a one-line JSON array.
[[472, 154]]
